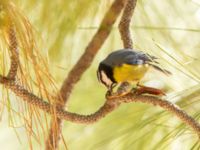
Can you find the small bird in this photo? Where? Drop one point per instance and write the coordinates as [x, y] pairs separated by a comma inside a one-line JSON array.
[[127, 65]]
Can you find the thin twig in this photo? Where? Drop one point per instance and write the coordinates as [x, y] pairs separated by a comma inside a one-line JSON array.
[[124, 26], [81, 66], [91, 50], [14, 53], [125, 32], [107, 108], [54, 133]]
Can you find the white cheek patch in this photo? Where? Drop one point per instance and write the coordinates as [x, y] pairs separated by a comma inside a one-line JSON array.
[[106, 79]]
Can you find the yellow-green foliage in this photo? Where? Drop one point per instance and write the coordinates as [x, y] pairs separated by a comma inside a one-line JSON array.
[[3, 13]]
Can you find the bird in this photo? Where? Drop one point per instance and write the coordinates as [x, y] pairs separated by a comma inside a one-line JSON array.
[[128, 65]]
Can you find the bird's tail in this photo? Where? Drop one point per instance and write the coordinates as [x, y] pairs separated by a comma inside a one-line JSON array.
[[166, 72]]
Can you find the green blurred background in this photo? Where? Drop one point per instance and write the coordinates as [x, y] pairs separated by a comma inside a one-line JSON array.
[[168, 29]]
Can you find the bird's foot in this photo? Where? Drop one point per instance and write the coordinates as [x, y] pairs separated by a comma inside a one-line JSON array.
[[123, 90], [140, 89]]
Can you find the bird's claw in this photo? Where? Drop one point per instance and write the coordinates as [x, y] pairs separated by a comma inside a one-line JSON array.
[[111, 95]]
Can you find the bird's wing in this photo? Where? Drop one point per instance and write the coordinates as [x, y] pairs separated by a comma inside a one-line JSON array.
[[133, 57], [151, 60], [124, 56]]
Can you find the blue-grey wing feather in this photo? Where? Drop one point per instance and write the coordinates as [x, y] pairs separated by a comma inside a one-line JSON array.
[[133, 57], [127, 56]]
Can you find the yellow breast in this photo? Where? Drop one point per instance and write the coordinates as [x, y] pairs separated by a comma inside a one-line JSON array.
[[129, 72]]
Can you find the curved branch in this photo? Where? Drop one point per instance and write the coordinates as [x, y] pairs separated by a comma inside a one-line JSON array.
[[81, 66], [95, 44], [124, 25], [167, 105], [108, 107], [78, 70], [124, 29], [14, 53]]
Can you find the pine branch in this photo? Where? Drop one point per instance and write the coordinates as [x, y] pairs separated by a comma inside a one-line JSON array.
[[124, 25], [124, 29], [81, 66], [57, 111], [109, 106], [14, 53], [91, 50]]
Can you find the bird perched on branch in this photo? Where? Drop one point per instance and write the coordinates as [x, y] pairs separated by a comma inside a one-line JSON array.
[[128, 65]]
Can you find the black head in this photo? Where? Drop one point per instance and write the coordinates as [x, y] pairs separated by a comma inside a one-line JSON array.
[[105, 75]]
